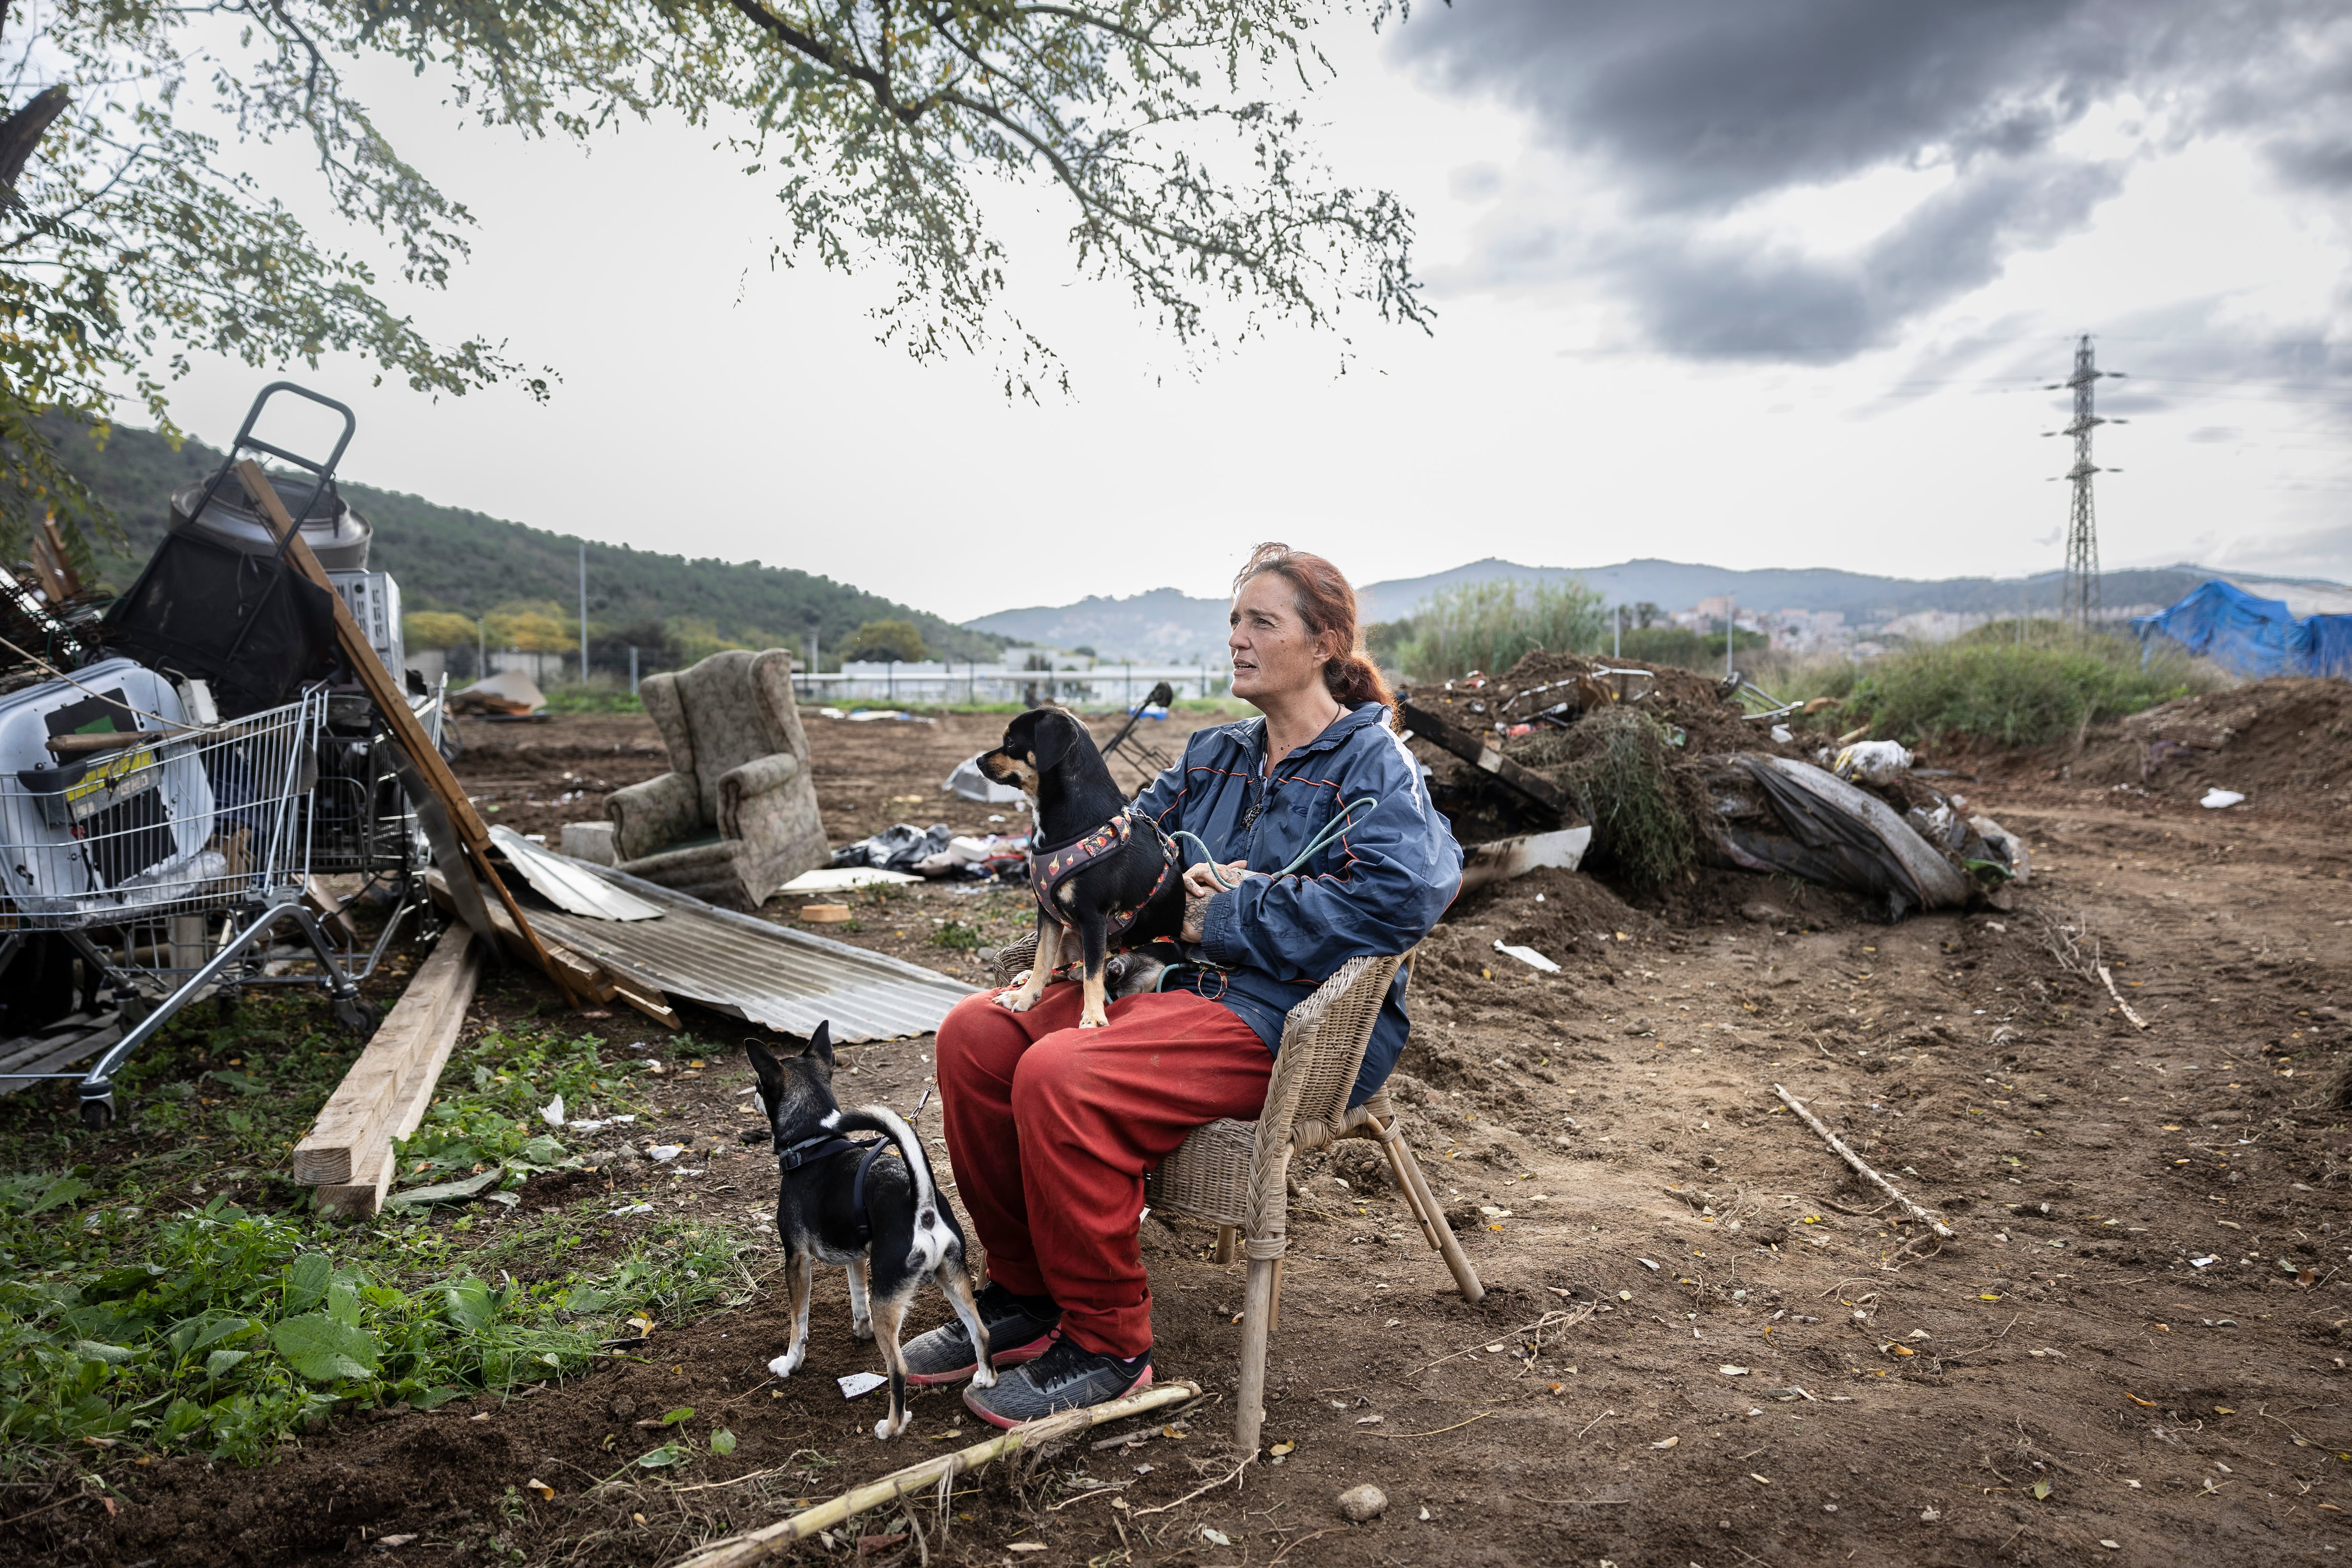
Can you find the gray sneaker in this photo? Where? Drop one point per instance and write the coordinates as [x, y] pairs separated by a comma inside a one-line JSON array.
[[1064, 1378], [1015, 1335]]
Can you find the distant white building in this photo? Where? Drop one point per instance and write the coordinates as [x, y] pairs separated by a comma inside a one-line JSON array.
[[1934, 625]]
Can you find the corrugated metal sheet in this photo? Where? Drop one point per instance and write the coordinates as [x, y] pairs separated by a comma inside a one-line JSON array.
[[769, 974], [567, 884]]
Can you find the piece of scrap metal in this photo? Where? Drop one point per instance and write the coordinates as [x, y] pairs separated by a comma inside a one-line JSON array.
[[560, 880], [1507, 857], [768, 974]]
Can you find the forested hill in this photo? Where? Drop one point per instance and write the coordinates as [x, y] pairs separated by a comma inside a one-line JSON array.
[[447, 558]]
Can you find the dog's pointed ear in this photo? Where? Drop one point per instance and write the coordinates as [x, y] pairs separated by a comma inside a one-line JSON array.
[[1055, 735], [767, 1068], [820, 1046]]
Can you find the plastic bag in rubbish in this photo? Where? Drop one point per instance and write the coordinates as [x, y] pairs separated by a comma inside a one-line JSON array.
[[1872, 762], [896, 848], [2217, 799], [969, 783], [1807, 823]]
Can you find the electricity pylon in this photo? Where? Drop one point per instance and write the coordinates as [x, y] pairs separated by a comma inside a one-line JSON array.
[[2081, 603]]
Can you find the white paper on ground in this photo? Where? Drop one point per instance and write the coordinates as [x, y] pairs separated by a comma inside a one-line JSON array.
[[858, 1382], [831, 878], [1528, 955], [552, 1111], [2216, 798]]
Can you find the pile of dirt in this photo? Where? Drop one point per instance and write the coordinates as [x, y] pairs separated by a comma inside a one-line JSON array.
[[2286, 742]]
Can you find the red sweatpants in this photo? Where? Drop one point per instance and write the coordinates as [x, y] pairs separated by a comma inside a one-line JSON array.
[[1051, 1128]]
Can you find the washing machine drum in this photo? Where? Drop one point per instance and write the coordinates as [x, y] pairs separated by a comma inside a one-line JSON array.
[[88, 839]]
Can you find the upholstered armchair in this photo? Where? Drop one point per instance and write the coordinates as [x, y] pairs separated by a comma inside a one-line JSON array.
[[735, 819]]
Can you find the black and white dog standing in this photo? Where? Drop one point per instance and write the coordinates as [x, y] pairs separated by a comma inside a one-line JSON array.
[[852, 1205]]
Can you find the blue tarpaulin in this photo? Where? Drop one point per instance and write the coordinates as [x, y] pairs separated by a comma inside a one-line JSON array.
[[2256, 638]]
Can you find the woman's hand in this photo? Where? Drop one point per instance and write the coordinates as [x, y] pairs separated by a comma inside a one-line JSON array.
[[1200, 887]]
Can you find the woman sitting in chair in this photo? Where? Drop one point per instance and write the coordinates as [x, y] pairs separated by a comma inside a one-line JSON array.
[[1052, 1128]]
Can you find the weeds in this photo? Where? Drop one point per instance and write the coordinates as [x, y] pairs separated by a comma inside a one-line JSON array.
[[2017, 693], [184, 1298], [1616, 765]]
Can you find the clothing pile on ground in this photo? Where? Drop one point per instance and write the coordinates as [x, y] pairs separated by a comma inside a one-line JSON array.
[[939, 853]]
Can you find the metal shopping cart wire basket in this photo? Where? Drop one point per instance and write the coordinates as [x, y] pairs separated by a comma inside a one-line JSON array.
[[164, 851]]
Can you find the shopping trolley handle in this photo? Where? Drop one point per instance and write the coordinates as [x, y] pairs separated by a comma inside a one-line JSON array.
[[247, 442]]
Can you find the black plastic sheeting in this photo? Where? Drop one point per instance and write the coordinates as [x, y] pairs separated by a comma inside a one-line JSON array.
[[1817, 826], [252, 625]]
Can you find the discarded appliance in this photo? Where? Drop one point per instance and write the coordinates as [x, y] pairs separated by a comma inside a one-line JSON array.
[[767, 974], [510, 694]]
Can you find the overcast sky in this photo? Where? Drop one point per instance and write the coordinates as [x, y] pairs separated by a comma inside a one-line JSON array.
[[1750, 282]]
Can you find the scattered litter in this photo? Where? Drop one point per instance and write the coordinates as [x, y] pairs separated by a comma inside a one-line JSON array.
[[858, 1383], [1527, 955], [968, 783], [552, 1111], [1782, 734], [1733, 1371], [509, 693], [631, 1208], [2203, 1262], [2217, 799], [832, 879], [1665, 1442], [1872, 762], [662, 1153], [1648, 1264], [447, 1192]]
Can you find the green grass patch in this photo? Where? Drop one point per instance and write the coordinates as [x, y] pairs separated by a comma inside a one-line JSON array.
[[143, 1305], [593, 700], [1984, 690]]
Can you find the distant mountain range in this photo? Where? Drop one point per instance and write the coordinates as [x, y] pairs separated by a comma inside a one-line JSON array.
[[447, 558], [1164, 626]]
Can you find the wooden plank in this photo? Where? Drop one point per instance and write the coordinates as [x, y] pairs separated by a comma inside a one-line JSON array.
[[363, 1104], [363, 1193], [1479, 754], [383, 687]]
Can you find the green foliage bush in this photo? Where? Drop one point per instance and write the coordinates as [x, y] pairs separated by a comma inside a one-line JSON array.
[[1617, 764], [1490, 626], [2013, 693]]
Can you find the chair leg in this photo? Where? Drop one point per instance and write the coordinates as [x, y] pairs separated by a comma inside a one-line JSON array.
[[1274, 1318], [1401, 1159], [1393, 1149], [1257, 1313], [1226, 1236]]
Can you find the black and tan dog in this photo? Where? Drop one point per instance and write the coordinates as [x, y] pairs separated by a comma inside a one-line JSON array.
[[848, 1205], [1104, 877]]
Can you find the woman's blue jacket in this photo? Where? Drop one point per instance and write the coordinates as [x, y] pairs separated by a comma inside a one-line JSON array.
[[1377, 888]]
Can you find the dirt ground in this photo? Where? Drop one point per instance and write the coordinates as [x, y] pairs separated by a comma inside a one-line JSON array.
[[1703, 1342]]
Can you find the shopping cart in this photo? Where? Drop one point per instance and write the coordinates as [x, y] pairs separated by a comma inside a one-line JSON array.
[[163, 851]]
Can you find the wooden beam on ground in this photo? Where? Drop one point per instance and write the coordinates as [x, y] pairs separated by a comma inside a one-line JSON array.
[[383, 687], [1481, 753], [351, 1124], [361, 1192]]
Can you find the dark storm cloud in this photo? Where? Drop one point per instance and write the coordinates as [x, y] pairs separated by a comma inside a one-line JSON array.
[[1694, 108]]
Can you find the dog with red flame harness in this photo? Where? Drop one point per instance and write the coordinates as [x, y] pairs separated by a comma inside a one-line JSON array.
[[1103, 879], [881, 1219]]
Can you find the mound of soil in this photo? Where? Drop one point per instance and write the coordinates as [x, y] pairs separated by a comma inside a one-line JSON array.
[[2283, 742]]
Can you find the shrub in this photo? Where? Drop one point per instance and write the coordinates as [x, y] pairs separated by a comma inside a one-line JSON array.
[[1617, 766], [2016, 694], [1490, 626]]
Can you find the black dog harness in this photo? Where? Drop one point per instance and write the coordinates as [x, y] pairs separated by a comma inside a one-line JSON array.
[[1048, 869], [825, 1145]]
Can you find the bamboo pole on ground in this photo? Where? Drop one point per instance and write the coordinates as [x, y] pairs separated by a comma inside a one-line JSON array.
[[1872, 1177], [738, 1551]]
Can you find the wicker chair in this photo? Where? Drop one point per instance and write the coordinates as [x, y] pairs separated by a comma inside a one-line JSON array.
[[1235, 1175]]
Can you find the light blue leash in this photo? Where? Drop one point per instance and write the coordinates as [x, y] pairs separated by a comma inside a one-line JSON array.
[[1335, 827]]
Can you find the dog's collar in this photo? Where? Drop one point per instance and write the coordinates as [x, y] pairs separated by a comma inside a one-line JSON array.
[[792, 1156]]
